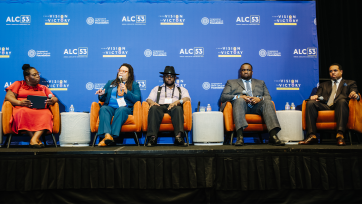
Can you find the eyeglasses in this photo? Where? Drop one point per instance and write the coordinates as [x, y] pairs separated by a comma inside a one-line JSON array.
[[35, 74], [169, 76], [123, 71]]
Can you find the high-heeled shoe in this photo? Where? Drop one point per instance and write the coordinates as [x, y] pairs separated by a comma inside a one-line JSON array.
[[36, 146]]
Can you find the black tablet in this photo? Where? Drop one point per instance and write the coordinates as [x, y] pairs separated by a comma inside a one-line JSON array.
[[38, 101]]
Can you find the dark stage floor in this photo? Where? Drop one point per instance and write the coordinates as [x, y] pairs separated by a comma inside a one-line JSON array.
[[192, 149]]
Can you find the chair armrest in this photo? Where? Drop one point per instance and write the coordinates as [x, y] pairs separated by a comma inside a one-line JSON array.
[[145, 109], [228, 117], [137, 113], [187, 115], [56, 117], [7, 111], [94, 114], [304, 124], [355, 116]]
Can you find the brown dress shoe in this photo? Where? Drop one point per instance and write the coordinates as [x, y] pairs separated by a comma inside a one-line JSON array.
[[340, 141], [312, 139]]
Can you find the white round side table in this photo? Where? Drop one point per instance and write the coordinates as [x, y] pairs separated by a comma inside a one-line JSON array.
[[75, 129], [291, 124], [208, 128]]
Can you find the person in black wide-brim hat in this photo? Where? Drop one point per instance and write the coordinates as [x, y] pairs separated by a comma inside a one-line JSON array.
[[167, 98]]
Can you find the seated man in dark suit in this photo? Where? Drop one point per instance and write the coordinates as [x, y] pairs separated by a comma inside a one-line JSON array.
[[336, 94], [250, 96]]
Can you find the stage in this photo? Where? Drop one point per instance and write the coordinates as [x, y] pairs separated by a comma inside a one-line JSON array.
[[194, 174], [170, 149]]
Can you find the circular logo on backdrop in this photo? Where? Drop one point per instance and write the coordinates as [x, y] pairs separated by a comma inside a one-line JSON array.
[[90, 21], [31, 53], [262, 53], [206, 85], [205, 21], [315, 21], [148, 53], [89, 86]]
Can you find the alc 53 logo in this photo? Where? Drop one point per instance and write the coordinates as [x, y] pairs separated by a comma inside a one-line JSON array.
[[248, 20], [18, 20], [130, 20], [192, 52], [77, 52], [310, 52]]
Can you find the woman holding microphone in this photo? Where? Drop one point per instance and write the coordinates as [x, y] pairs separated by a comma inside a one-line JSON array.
[[119, 96]]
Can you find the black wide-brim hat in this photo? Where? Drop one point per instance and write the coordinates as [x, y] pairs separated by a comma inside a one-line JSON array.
[[169, 70]]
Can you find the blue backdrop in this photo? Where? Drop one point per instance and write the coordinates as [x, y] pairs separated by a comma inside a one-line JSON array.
[[77, 47]]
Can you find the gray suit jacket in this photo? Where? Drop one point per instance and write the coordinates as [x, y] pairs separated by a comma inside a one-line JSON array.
[[236, 86]]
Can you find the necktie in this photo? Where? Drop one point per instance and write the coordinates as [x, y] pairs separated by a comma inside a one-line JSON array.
[[248, 89], [331, 97]]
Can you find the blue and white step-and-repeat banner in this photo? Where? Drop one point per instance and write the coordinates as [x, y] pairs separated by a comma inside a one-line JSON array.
[[79, 46]]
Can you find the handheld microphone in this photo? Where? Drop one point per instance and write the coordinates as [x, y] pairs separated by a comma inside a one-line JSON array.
[[321, 99], [49, 97], [120, 78]]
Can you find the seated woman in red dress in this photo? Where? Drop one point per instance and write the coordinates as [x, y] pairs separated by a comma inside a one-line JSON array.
[[34, 121]]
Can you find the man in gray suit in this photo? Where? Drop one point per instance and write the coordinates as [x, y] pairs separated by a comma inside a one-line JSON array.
[[250, 96]]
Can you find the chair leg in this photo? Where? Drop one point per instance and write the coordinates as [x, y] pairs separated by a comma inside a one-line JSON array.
[[144, 143], [136, 139], [187, 137], [44, 140], [9, 140], [260, 138], [95, 138], [350, 136], [55, 142], [231, 138]]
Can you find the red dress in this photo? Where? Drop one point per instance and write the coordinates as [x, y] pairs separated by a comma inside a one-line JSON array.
[[30, 119]]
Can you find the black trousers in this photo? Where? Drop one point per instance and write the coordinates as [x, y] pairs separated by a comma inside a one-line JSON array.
[[340, 108], [156, 113]]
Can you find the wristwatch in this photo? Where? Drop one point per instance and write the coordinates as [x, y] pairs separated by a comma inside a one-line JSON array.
[[181, 101]]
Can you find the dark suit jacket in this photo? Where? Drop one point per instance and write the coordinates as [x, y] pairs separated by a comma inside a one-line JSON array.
[[236, 86], [344, 89], [131, 97]]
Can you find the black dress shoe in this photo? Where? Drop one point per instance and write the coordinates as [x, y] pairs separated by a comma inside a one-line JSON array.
[[239, 141], [179, 141], [274, 140], [152, 141]]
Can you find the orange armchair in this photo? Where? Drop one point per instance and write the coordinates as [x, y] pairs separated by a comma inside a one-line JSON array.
[[166, 124], [7, 111], [132, 124], [326, 118], [255, 122]]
